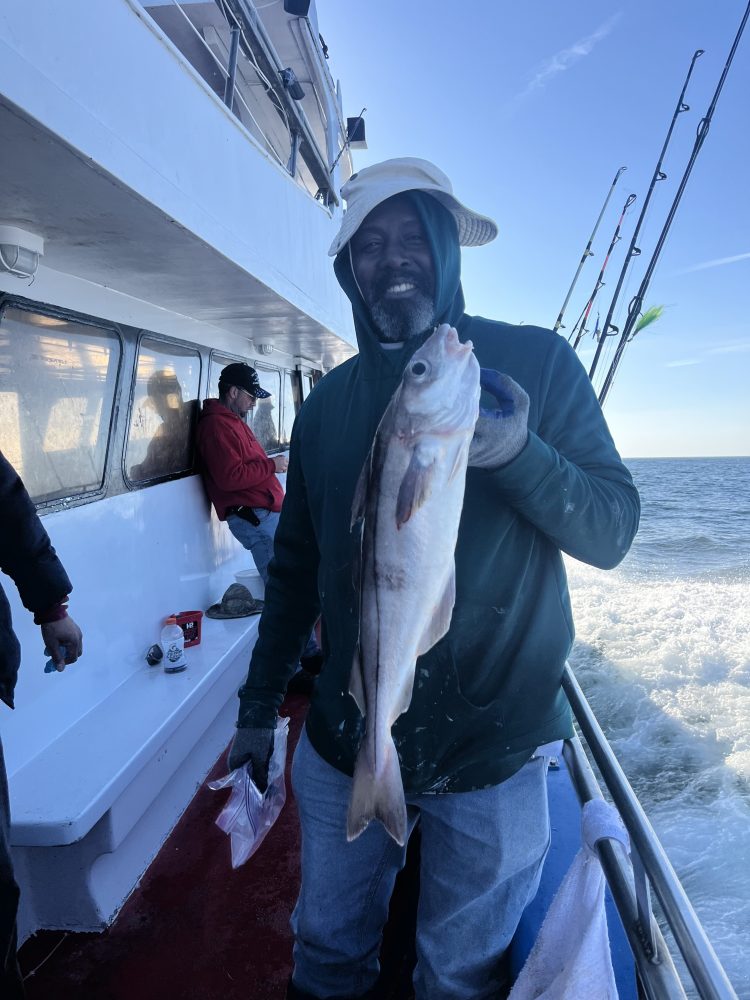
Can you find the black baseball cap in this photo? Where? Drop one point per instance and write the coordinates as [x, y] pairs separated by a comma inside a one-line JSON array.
[[243, 377]]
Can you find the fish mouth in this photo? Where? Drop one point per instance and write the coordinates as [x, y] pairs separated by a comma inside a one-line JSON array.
[[452, 345]]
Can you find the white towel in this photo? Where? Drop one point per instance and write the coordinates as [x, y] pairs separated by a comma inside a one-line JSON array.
[[571, 959]]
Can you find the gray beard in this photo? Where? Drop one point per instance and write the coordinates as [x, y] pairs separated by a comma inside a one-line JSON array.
[[399, 321]]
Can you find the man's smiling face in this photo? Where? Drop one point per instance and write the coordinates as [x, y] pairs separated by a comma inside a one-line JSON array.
[[394, 270]]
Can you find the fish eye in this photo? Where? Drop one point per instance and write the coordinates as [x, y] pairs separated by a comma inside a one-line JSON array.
[[419, 369]]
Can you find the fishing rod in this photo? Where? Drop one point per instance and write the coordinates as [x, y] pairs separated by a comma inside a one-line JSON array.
[[702, 131], [633, 249], [600, 279], [587, 252]]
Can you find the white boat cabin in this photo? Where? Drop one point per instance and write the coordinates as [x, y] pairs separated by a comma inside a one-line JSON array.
[[166, 203]]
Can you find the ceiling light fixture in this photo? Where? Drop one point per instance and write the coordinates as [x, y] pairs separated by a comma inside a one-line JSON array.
[[20, 251]]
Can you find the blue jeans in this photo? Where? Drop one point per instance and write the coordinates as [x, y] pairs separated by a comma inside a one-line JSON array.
[[481, 859], [259, 540]]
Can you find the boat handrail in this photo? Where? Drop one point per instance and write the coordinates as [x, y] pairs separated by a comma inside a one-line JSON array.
[[249, 36], [630, 886], [247, 16]]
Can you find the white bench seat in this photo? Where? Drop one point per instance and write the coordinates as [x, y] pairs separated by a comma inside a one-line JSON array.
[[66, 789], [103, 759], [91, 810]]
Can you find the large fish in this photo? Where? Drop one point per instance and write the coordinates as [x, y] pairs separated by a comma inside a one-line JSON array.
[[409, 498]]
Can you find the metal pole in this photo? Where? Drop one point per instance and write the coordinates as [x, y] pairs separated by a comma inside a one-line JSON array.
[[292, 164], [633, 250], [234, 45], [656, 971], [700, 958], [587, 252]]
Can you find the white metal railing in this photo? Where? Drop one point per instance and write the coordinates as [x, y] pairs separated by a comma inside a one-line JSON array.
[[227, 70], [260, 49], [631, 885], [250, 53]]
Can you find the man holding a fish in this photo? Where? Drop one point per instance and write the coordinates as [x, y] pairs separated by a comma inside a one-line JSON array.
[[434, 482]]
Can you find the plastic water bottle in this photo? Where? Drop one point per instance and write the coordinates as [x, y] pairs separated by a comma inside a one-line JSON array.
[[173, 644]]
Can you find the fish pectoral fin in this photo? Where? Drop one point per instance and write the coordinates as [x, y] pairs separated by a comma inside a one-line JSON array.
[[357, 682], [441, 619], [415, 486]]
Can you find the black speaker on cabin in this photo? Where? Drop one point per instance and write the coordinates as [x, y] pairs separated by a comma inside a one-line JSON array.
[[355, 132], [291, 83], [297, 8]]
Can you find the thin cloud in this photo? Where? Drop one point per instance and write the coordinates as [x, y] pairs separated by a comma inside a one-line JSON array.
[[741, 347], [718, 262], [566, 58], [738, 347]]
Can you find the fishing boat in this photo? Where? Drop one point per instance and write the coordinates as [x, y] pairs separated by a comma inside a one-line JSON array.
[[168, 190]]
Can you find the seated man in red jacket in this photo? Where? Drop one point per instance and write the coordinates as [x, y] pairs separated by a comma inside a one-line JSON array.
[[239, 477]]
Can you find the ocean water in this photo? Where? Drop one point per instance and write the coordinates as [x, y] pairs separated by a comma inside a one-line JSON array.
[[663, 653]]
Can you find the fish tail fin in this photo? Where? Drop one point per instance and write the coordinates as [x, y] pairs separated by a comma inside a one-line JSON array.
[[377, 796]]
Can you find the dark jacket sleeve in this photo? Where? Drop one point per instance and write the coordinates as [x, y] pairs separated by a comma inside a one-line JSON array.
[[26, 553], [292, 604], [569, 480]]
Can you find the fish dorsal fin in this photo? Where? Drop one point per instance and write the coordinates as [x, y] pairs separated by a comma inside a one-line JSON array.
[[357, 540], [374, 460], [416, 485], [360, 493], [441, 619], [357, 682]]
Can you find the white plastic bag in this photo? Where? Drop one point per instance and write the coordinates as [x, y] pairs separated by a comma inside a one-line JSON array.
[[571, 958], [248, 816]]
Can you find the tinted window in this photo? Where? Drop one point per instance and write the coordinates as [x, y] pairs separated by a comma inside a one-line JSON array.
[[162, 418], [218, 363], [292, 403], [57, 388], [264, 418]]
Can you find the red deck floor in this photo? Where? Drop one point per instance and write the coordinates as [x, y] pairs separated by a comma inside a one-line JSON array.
[[196, 930]]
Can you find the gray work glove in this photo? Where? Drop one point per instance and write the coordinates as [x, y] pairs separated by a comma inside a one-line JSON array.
[[500, 434], [253, 746]]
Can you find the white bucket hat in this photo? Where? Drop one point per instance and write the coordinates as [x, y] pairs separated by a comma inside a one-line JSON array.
[[366, 189]]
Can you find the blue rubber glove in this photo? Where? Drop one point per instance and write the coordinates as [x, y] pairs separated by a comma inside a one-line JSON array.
[[500, 434]]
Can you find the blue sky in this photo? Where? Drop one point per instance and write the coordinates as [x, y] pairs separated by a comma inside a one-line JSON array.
[[531, 108]]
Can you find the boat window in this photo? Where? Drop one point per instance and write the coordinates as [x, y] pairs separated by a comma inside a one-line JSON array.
[[292, 403], [162, 418], [59, 379], [265, 414], [218, 364], [264, 417], [307, 384]]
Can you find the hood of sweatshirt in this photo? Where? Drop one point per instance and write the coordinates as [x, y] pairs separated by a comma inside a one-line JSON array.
[[442, 236]]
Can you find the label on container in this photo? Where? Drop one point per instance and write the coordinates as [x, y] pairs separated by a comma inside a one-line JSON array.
[[174, 658]]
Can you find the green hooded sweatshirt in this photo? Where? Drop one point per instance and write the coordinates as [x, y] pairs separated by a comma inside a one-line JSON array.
[[488, 693]]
